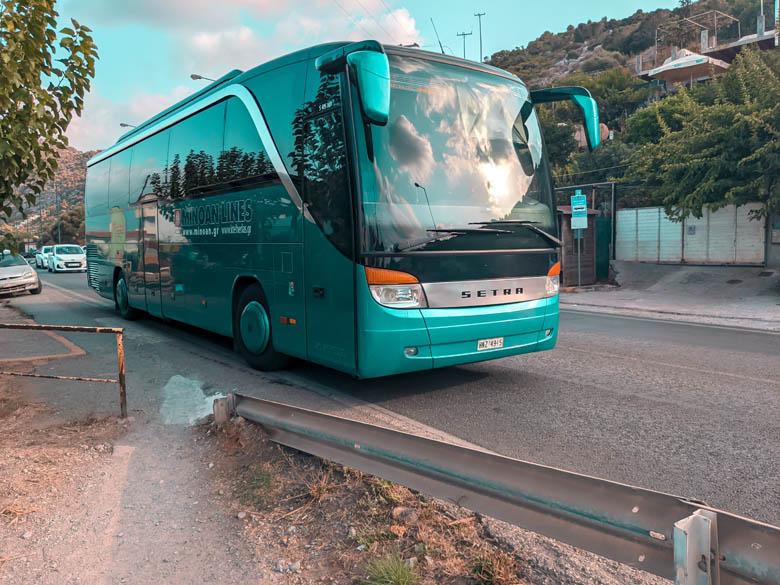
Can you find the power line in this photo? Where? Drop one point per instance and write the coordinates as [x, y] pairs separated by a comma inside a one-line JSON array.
[[395, 18], [591, 171], [355, 22], [379, 24]]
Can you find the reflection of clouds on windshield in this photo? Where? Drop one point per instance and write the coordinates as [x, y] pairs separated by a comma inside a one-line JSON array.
[[412, 65], [479, 156], [412, 152], [393, 217]]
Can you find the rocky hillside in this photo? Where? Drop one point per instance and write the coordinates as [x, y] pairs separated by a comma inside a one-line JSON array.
[[608, 44], [70, 178]]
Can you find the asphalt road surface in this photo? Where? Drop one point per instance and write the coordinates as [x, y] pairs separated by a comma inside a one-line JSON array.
[[688, 409]]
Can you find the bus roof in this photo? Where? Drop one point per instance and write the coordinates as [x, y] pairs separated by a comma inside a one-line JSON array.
[[238, 76]]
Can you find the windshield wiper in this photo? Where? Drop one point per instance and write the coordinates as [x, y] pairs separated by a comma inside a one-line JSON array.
[[447, 234], [531, 225], [470, 231]]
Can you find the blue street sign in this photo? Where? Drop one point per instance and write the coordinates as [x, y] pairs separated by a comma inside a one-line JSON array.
[[579, 211]]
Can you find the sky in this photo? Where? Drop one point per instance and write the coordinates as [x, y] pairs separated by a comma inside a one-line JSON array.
[[149, 48]]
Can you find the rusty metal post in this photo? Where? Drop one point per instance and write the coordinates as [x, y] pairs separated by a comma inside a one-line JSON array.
[[120, 354]]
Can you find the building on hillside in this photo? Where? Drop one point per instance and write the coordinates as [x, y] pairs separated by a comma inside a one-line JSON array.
[[695, 48]]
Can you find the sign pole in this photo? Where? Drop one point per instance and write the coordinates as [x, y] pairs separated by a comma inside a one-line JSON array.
[[579, 222]]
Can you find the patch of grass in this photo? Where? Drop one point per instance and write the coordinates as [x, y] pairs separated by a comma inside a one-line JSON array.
[[257, 488], [495, 569], [483, 572], [390, 570], [366, 539], [8, 406], [385, 491]]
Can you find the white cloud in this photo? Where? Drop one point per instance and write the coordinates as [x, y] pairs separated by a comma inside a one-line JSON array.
[[173, 14], [212, 38], [98, 127], [215, 53]]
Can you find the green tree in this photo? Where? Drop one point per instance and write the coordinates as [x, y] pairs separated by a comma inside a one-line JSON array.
[[720, 153], [69, 227], [558, 138], [39, 95]]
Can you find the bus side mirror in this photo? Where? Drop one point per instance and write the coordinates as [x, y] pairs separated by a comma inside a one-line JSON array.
[[582, 98], [372, 71]]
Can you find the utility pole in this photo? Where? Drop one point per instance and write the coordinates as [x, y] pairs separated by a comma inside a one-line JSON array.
[[59, 215], [479, 15], [464, 35], [40, 222]]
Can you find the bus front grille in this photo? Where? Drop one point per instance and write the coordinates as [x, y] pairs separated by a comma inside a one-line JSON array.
[[92, 267]]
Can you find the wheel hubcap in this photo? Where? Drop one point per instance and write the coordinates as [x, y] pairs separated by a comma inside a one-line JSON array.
[[121, 294], [255, 327]]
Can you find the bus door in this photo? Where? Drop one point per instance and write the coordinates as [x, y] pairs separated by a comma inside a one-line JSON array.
[[151, 261], [328, 242]]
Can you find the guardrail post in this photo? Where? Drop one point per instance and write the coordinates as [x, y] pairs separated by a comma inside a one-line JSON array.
[[696, 559], [120, 354]]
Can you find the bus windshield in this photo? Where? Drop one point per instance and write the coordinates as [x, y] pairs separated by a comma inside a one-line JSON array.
[[462, 150]]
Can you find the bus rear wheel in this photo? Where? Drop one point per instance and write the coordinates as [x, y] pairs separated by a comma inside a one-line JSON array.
[[122, 299], [252, 330]]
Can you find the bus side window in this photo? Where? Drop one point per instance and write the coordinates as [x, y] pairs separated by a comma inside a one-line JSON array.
[[96, 197], [194, 150], [244, 166], [120, 179], [243, 157], [280, 93], [148, 168], [323, 161]]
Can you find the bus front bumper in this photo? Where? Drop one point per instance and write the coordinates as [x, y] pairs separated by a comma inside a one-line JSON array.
[[393, 341]]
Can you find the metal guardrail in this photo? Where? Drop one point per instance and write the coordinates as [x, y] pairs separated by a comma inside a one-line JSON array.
[[120, 353], [670, 536]]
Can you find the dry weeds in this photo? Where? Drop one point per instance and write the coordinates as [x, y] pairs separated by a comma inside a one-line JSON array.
[[325, 523]]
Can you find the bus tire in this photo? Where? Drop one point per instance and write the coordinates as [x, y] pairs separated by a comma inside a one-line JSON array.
[[122, 299], [252, 331]]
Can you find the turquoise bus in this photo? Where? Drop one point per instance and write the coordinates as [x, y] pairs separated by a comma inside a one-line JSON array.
[[370, 208]]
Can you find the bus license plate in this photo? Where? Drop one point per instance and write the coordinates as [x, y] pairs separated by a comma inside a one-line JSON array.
[[494, 343]]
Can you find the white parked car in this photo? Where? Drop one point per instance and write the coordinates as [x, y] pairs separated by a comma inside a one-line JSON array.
[[42, 256], [66, 258], [16, 276]]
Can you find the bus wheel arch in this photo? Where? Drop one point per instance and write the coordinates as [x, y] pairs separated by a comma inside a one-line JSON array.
[[252, 331], [121, 297]]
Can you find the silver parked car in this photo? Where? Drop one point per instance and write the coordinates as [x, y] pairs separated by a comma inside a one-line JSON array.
[[17, 276]]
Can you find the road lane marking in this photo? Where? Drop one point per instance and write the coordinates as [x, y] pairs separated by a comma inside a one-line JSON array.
[[671, 365], [77, 295]]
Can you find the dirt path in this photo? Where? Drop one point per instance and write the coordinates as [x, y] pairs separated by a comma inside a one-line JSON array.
[[87, 503]]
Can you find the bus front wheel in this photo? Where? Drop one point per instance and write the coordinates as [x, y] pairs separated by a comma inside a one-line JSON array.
[[122, 299], [252, 329]]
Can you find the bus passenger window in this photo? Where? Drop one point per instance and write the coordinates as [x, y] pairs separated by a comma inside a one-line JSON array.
[[96, 188], [195, 146], [120, 176]]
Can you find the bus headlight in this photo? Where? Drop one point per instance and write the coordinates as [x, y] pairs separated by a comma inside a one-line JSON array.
[[399, 296], [552, 283], [551, 286], [395, 289]]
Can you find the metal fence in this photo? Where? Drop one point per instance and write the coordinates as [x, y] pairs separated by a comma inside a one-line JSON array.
[[670, 536], [120, 352]]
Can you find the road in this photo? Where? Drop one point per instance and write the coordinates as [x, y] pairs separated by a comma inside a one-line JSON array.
[[676, 407]]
